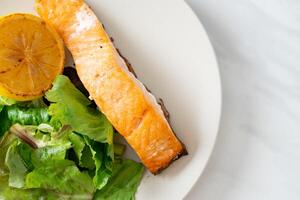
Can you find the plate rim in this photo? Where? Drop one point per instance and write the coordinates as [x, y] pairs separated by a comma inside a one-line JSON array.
[[220, 92]]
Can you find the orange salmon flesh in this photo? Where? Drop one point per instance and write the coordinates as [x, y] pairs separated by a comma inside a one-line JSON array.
[[131, 109]]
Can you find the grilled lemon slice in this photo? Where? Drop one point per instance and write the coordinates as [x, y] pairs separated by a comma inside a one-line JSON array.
[[31, 56]]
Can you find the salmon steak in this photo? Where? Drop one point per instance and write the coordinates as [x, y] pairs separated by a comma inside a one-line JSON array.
[[132, 110]]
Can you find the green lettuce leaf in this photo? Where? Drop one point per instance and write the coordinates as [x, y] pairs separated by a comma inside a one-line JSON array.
[[8, 193], [103, 163], [6, 101], [25, 152], [78, 144], [46, 128], [4, 121], [27, 116], [35, 158], [10, 115], [16, 166], [36, 103], [82, 151], [6, 141], [124, 182], [92, 155], [87, 160], [38, 148], [49, 154], [61, 176], [71, 107], [44, 167]]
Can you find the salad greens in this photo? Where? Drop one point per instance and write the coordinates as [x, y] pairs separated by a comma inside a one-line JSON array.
[[123, 183], [16, 167], [71, 107], [62, 147], [6, 101]]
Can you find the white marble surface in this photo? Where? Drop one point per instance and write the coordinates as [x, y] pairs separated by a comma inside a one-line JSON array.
[[257, 154]]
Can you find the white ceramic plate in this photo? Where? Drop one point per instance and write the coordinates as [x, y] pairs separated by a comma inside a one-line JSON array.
[[172, 55]]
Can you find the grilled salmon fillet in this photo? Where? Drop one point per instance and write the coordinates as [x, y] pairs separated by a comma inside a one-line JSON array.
[[131, 109]]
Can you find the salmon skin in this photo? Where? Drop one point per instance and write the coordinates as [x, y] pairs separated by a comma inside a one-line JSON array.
[[131, 109]]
